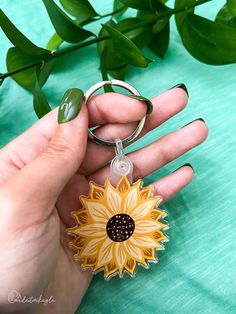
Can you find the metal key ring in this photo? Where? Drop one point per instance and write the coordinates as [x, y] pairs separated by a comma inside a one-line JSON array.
[[132, 90]]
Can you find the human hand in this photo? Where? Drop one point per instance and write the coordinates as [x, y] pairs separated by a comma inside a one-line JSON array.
[[42, 174]]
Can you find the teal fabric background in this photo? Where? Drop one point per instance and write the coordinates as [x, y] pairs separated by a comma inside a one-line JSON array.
[[197, 271]]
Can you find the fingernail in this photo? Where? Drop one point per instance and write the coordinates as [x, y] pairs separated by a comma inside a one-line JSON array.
[[70, 105], [181, 85], [144, 99], [185, 165], [199, 119]]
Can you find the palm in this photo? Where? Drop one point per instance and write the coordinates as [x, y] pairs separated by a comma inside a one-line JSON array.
[[65, 273], [49, 254]]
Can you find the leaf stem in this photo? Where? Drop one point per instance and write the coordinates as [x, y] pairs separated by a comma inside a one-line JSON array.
[[59, 53], [112, 13], [23, 68]]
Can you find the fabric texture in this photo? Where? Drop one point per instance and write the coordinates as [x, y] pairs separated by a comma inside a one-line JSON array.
[[197, 271]]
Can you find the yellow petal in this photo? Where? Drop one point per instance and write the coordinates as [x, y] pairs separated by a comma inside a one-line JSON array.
[[146, 226], [113, 199], [105, 253], [149, 253], [78, 242], [143, 209], [159, 236], [156, 214], [120, 255], [92, 230], [145, 193], [80, 216], [96, 191], [92, 247], [133, 251], [98, 212], [130, 265], [131, 199], [142, 240], [110, 269], [123, 185], [89, 261]]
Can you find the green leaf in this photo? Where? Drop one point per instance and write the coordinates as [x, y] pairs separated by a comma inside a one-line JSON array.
[[152, 5], [54, 42], [158, 7], [160, 41], [81, 9], [232, 7], [1, 80], [45, 71], [160, 25], [18, 39], [111, 58], [145, 15], [17, 59], [136, 4], [107, 88], [126, 48], [224, 16], [119, 73], [180, 17], [209, 42], [139, 36], [65, 27], [119, 6], [41, 106], [112, 62]]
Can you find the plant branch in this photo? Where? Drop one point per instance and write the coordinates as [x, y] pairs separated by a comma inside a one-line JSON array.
[[100, 17], [112, 13], [56, 54]]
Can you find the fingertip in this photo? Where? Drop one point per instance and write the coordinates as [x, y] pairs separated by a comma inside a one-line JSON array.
[[186, 173], [181, 95], [181, 86], [165, 106], [173, 183]]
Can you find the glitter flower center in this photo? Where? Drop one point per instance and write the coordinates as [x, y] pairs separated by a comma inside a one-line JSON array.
[[120, 227]]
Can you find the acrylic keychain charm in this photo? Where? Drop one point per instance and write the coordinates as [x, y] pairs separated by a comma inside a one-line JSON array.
[[119, 225]]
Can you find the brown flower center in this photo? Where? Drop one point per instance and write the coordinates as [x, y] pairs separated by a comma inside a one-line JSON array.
[[120, 227]]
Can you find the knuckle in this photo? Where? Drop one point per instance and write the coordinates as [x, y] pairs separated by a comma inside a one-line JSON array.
[[99, 110], [60, 147], [164, 152]]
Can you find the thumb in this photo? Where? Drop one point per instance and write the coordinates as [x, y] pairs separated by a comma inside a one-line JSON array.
[[45, 177]]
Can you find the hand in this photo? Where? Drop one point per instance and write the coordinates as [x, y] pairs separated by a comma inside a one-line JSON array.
[[42, 174]]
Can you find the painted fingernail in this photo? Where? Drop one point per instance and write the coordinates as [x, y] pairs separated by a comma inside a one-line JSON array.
[[181, 85], [144, 99], [199, 119], [70, 105], [185, 165]]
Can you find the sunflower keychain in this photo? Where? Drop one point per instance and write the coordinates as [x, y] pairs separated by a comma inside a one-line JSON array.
[[119, 225]]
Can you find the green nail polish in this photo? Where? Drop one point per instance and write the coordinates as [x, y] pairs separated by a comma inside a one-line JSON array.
[[146, 100], [185, 165], [199, 119], [70, 105], [182, 86]]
